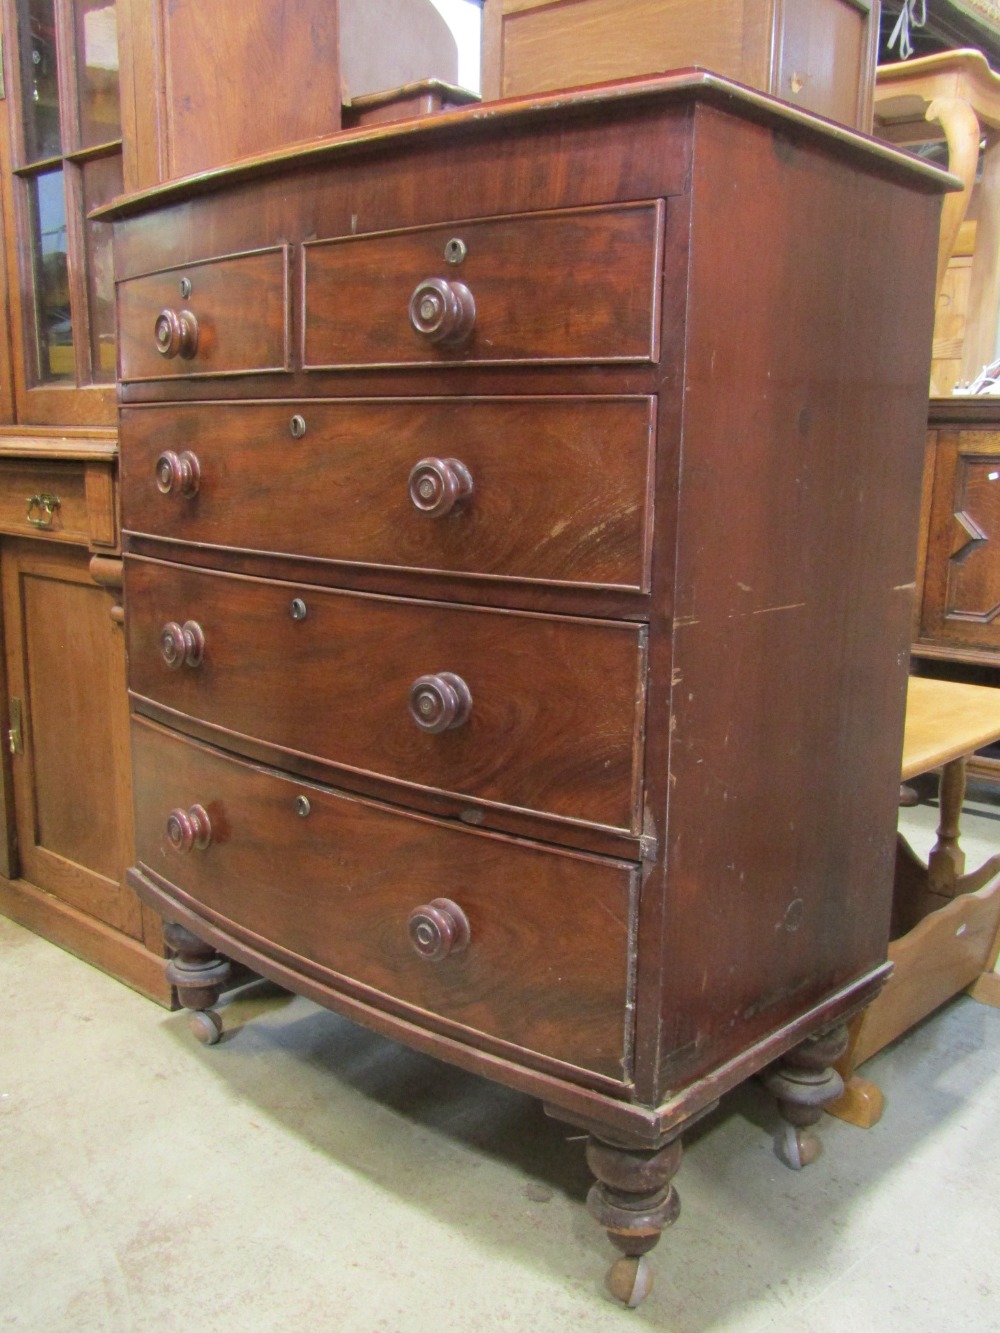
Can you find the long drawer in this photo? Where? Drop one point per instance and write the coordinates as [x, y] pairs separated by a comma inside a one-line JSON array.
[[546, 489], [576, 285], [541, 713], [538, 956]]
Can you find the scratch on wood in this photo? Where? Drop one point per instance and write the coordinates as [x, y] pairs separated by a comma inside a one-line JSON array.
[[766, 610], [904, 587], [685, 620]]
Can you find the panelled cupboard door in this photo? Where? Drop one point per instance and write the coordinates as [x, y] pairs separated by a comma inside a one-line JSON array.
[[66, 685], [961, 601]]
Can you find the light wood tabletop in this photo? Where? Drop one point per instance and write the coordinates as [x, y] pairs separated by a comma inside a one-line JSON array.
[[946, 720]]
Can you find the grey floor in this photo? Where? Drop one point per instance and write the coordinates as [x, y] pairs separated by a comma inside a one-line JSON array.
[[306, 1174]]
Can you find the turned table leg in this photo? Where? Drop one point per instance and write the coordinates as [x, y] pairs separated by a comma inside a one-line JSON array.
[[633, 1200], [803, 1081], [200, 974]]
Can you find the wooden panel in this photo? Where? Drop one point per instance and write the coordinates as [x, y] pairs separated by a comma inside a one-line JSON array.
[[789, 657], [551, 498], [230, 70], [962, 581], [530, 276], [824, 58], [818, 54], [557, 45], [546, 966], [239, 304], [557, 702], [21, 480], [65, 662]]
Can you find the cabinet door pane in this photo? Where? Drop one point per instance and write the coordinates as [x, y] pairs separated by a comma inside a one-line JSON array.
[[53, 325], [102, 181], [36, 25], [97, 72]]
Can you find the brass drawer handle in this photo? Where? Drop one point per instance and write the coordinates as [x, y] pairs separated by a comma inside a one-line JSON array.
[[46, 505]]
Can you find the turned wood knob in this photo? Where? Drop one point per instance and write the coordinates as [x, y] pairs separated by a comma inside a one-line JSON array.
[[440, 702], [438, 929], [177, 474], [176, 334], [437, 485], [187, 829], [443, 311], [182, 645]]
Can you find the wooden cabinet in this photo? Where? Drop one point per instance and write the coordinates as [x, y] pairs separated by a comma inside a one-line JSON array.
[[67, 771], [489, 504], [959, 566], [204, 85], [817, 54]]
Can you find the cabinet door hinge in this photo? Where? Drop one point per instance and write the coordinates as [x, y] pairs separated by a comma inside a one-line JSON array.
[[15, 742]]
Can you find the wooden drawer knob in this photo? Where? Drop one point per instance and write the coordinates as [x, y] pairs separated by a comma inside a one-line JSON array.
[[189, 829], [442, 311], [438, 929], [182, 645], [440, 702], [178, 474], [438, 485], [176, 334]]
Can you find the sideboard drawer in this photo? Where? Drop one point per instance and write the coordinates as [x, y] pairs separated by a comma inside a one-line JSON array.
[[368, 302], [39, 499], [550, 489], [333, 881], [553, 725], [225, 316]]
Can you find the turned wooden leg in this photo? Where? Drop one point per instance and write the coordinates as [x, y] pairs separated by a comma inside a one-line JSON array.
[[633, 1200], [947, 860], [200, 974], [803, 1081]]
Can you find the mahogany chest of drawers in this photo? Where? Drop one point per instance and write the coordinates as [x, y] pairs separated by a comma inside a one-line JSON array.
[[520, 511]]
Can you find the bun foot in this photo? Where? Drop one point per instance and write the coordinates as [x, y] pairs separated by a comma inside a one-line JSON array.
[[206, 1026], [803, 1082], [630, 1280]]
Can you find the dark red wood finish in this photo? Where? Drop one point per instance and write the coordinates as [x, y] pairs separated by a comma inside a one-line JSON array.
[[547, 962], [736, 720], [560, 487], [528, 278], [329, 674]]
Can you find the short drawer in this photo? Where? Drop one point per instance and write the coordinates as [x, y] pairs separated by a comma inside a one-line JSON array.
[[579, 285], [548, 489], [40, 499], [225, 316], [337, 882], [542, 713]]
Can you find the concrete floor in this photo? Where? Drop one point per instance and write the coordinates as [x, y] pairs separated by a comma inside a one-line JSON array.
[[306, 1174]]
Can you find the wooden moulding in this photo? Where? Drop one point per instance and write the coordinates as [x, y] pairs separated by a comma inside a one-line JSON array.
[[422, 98], [121, 956]]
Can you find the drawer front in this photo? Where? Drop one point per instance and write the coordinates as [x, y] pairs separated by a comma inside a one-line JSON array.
[[226, 316], [556, 710], [549, 489], [577, 285], [44, 499], [335, 880]]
